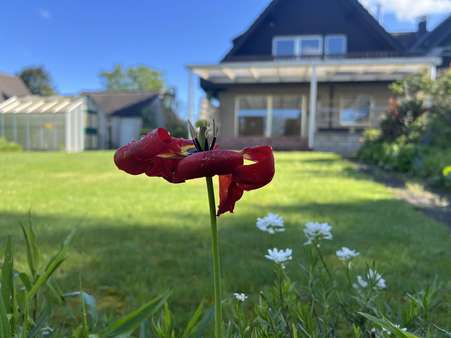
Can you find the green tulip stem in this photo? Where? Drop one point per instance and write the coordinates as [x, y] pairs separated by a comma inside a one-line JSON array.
[[215, 259]]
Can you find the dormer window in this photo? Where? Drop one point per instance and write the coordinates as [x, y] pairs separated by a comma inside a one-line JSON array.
[[309, 45], [335, 45], [284, 46]]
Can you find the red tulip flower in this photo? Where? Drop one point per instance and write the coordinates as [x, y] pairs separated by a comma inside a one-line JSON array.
[[177, 160]]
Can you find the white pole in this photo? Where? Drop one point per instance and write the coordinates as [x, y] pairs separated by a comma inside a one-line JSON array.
[[313, 100], [68, 136], [15, 127], [433, 72], [27, 133], [269, 112], [82, 113]]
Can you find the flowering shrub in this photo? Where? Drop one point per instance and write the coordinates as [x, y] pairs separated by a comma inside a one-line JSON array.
[[414, 134]]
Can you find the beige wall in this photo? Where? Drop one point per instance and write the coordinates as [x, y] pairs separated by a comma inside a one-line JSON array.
[[327, 120]]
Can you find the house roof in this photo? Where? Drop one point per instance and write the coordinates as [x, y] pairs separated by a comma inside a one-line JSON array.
[[12, 86], [33, 104], [353, 4], [407, 39], [434, 37], [121, 103]]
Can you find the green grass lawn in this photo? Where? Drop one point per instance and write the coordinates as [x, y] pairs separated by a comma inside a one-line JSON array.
[[139, 235]]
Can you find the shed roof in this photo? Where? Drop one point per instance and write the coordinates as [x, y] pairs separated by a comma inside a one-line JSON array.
[[121, 103], [33, 104]]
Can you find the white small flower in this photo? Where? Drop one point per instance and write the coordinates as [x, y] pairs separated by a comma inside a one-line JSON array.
[[377, 279], [241, 297], [271, 223], [361, 283], [345, 254], [372, 278], [279, 256], [402, 329], [317, 231]]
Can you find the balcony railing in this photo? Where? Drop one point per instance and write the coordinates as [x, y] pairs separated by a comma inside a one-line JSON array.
[[357, 55]]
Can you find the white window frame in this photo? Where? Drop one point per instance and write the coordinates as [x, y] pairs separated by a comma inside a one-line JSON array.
[[334, 36], [269, 112], [319, 38], [297, 39], [282, 38], [237, 111], [344, 99]]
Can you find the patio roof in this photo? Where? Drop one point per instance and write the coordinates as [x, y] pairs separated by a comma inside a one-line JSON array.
[[300, 70]]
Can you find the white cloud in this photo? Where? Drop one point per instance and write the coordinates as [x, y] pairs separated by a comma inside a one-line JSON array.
[[409, 9], [45, 14]]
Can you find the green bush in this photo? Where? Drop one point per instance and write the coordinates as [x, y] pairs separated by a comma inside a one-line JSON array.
[[6, 146], [430, 164], [415, 133]]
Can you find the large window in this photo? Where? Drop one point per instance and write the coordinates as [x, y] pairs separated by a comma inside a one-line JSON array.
[[269, 115], [355, 111], [335, 45], [252, 115], [286, 116]]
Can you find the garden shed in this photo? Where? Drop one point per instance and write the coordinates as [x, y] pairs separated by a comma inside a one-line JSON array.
[[45, 123]]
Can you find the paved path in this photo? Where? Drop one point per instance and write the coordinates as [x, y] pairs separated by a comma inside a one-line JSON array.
[[432, 203]]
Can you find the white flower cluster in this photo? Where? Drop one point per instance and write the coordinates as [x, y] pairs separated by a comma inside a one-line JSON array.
[[373, 278], [316, 232], [345, 254], [271, 223], [239, 296], [279, 256]]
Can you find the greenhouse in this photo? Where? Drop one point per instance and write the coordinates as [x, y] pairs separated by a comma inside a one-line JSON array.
[[44, 123]]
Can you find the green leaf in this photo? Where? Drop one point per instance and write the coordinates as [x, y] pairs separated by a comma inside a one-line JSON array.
[[33, 255], [130, 322], [51, 267], [5, 327], [204, 323], [144, 329], [41, 322], [388, 325], [7, 280], [89, 305], [193, 322]]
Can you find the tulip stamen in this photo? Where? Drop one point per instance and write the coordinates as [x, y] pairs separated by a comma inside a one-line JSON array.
[[213, 142], [197, 144]]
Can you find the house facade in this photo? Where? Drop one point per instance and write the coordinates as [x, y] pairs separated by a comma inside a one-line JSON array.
[[312, 75]]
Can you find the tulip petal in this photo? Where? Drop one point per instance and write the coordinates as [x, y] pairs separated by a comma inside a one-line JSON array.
[[208, 164], [156, 154], [246, 177]]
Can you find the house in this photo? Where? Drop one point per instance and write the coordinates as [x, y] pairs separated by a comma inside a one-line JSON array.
[[48, 123], [11, 86], [124, 116], [314, 75]]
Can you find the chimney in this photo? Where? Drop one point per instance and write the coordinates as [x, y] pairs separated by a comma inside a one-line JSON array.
[[422, 25]]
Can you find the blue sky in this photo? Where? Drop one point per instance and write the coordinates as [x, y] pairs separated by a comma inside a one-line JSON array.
[[75, 40]]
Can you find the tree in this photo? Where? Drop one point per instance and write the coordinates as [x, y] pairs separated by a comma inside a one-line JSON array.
[[139, 78], [38, 81]]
